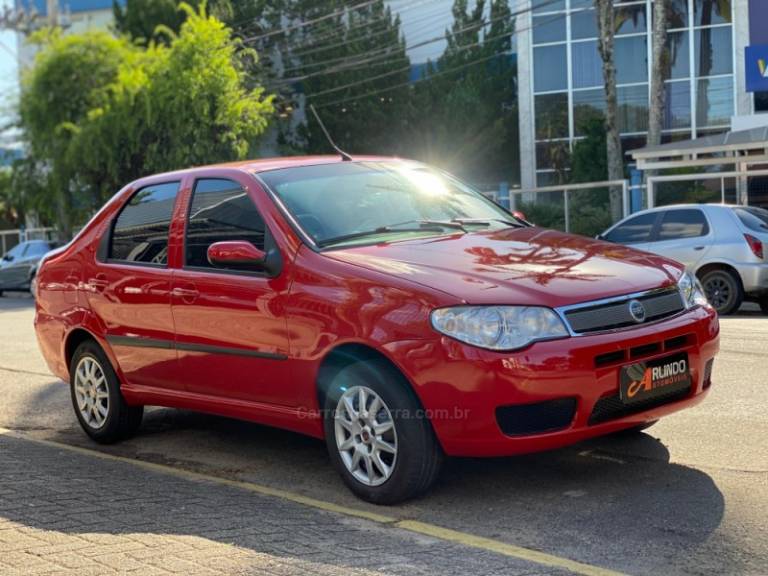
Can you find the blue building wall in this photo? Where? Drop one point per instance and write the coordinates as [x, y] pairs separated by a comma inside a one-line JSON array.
[[73, 5]]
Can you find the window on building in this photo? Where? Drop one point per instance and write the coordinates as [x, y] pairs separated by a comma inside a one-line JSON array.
[[550, 72], [633, 108], [631, 19], [584, 25], [677, 105], [631, 56], [679, 224], [761, 101], [707, 12], [587, 65], [549, 28], [714, 102], [548, 5], [588, 106], [679, 65], [221, 210], [713, 51], [633, 231], [551, 116], [140, 233]]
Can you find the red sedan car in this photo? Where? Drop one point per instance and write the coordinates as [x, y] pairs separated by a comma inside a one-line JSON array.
[[376, 303]]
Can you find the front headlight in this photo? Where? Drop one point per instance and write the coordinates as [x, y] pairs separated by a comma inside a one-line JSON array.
[[691, 291], [498, 327]]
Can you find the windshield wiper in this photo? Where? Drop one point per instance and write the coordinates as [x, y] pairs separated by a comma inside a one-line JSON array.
[[423, 226], [486, 221]]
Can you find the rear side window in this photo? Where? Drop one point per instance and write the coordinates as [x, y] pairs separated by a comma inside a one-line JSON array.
[[221, 210], [634, 230], [141, 230], [753, 218], [38, 249], [679, 224]]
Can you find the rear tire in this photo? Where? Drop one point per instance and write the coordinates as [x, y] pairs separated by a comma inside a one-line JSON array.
[[723, 290], [387, 452], [99, 405]]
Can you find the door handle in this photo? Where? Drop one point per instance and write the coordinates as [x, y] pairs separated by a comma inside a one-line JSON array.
[[99, 283], [698, 248], [188, 295]]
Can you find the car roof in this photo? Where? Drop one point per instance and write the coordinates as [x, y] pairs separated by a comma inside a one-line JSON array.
[[266, 164]]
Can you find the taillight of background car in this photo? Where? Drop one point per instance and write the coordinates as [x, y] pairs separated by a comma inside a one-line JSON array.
[[755, 245]]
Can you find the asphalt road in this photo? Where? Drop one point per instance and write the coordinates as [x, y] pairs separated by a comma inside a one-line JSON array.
[[690, 496]]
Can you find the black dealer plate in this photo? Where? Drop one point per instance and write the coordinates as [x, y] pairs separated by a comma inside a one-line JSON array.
[[648, 380]]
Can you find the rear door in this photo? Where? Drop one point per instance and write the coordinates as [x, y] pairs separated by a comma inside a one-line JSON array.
[[231, 332], [130, 291], [683, 234]]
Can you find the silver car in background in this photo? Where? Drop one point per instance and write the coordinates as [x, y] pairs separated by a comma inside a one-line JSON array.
[[18, 266], [726, 246]]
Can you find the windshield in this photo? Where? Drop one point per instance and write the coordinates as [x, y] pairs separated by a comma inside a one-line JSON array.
[[365, 201]]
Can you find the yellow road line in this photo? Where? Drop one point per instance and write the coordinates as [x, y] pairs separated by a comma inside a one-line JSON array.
[[462, 538], [505, 549]]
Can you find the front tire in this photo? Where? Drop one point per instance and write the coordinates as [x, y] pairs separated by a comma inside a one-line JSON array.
[[723, 290], [99, 405], [377, 436]]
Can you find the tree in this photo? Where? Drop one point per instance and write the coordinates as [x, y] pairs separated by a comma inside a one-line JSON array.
[[147, 20], [659, 66], [606, 26], [465, 109], [346, 66], [100, 111]]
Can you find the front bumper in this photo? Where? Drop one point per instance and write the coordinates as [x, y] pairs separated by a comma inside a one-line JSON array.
[[461, 387]]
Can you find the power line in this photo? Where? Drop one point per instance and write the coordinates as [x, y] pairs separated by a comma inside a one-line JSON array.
[[437, 74], [305, 23], [356, 63]]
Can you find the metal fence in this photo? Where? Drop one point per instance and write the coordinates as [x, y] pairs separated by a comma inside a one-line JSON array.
[[738, 187], [10, 238]]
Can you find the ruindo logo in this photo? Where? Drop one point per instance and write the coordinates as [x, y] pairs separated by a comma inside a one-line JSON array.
[[763, 67], [645, 383], [658, 377]]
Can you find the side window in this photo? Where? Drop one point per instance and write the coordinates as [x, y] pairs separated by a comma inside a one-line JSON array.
[[220, 210], [140, 233], [679, 224], [17, 251], [37, 249], [634, 230]]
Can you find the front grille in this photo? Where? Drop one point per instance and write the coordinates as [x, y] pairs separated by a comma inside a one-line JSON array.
[[611, 407], [612, 315], [548, 416]]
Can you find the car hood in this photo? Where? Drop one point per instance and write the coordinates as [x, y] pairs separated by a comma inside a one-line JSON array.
[[525, 266]]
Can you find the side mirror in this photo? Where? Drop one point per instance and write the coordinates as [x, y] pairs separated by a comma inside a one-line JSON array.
[[519, 215], [237, 254], [8, 258]]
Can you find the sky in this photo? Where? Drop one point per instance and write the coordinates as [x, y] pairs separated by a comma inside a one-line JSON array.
[[8, 72]]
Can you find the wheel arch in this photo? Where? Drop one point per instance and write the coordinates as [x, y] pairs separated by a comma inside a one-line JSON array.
[[702, 270], [74, 339], [348, 353]]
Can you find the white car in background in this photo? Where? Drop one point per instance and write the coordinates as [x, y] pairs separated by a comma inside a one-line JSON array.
[[726, 246]]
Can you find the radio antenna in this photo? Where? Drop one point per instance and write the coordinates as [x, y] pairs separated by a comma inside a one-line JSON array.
[[344, 156]]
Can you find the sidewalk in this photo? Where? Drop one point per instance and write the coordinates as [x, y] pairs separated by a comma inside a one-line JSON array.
[[68, 513]]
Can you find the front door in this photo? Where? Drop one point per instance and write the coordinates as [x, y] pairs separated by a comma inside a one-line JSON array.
[[131, 290], [231, 333]]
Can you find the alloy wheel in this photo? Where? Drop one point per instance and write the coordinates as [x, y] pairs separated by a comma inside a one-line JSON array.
[[91, 392], [365, 435], [718, 292]]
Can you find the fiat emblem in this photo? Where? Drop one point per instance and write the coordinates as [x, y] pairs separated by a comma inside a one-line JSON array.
[[637, 311]]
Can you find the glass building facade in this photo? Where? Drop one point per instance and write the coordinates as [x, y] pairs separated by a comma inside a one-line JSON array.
[[564, 85]]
